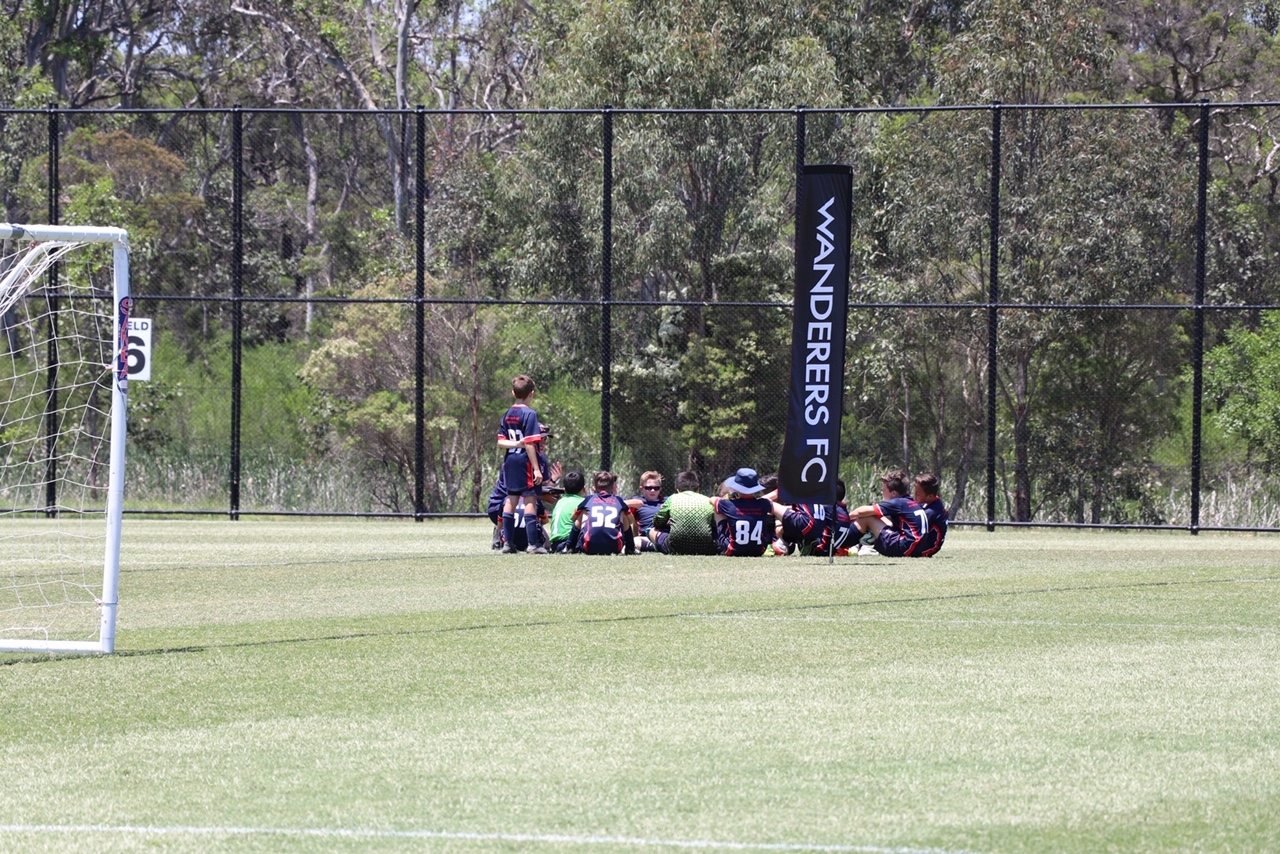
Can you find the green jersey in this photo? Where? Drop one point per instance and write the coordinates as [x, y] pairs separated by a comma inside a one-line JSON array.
[[689, 518], [562, 517]]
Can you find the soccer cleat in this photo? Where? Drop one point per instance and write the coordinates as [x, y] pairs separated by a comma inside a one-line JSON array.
[[497, 538], [865, 550], [507, 549], [536, 550]]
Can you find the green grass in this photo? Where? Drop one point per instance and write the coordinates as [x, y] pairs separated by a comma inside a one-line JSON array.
[[357, 685]]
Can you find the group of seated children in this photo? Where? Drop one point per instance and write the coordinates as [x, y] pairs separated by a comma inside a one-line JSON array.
[[744, 520]]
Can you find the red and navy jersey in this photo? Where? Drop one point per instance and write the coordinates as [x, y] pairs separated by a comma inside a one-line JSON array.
[[520, 422], [813, 526], [909, 522], [747, 527], [842, 527], [602, 518], [936, 530]]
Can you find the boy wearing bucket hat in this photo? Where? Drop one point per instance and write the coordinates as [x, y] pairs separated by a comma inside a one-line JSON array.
[[744, 520]]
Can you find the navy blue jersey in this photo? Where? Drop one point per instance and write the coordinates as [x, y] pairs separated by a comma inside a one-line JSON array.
[[936, 528], [814, 526], [645, 511], [602, 519], [520, 536], [908, 522], [842, 528], [747, 527], [498, 498], [806, 524], [520, 422]]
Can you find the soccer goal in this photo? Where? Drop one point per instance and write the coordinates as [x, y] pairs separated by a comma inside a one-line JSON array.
[[64, 318]]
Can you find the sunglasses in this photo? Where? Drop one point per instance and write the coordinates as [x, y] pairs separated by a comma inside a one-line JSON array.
[[651, 487]]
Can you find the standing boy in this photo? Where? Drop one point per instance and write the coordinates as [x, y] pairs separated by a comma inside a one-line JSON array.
[[518, 433]]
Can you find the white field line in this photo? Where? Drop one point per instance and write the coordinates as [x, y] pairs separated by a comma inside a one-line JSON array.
[[546, 839], [1205, 627]]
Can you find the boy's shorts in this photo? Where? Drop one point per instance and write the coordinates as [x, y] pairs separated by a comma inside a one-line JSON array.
[[517, 473], [892, 544], [799, 527]]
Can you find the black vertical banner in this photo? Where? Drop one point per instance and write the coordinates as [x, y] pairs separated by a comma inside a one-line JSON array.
[[811, 451]]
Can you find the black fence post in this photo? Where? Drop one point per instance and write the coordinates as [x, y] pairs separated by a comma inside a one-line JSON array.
[[1197, 334], [51, 298], [237, 303], [993, 316], [420, 316], [606, 291], [800, 146]]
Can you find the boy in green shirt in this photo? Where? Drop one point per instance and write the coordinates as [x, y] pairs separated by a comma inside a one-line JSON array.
[[562, 534], [685, 524]]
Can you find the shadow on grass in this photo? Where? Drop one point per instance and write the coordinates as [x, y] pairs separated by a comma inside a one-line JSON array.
[[626, 618]]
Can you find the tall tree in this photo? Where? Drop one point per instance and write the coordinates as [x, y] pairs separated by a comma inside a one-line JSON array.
[[1077, 197]]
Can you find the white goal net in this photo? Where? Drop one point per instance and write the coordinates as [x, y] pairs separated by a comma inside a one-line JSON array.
[[64, 308]]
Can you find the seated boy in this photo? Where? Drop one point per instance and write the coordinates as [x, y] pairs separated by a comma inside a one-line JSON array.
[[563, 534], [605, 524]]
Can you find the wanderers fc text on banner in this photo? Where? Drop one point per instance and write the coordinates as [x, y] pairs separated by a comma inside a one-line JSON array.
[[811, 451]]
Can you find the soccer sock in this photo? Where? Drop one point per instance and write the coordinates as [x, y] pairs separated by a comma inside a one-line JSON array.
[[531, 531], [509, 527]]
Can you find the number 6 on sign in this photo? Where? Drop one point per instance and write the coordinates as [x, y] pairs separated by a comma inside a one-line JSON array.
[[139, 348]]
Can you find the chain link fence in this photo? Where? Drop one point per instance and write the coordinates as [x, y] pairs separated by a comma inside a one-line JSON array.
[[1040, 296]]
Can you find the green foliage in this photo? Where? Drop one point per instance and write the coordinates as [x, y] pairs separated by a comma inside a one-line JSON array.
[[1096, 208], [1243, 377], [186, 403]]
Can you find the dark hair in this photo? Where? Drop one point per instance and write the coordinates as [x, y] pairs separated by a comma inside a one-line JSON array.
[[574, 481], [928, 483], [687, 481], [522, 386], [839, 489], [605, 480], [769, 482], [897, 481]]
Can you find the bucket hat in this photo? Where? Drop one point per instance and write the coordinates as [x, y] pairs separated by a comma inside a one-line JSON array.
[[745, 482]]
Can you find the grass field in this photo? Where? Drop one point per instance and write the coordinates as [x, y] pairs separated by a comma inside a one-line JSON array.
[[377, 686]]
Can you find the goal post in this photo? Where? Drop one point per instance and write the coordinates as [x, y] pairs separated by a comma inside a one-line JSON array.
[[64, 317]]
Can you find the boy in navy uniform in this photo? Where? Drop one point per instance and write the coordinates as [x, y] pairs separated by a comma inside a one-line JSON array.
[[819, 529], [521, 470], [926, 495], [745, 520], [646, 506], [604, 522], [901, 526], [548, 492]]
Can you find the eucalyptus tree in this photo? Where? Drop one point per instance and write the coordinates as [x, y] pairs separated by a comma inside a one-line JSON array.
[[701, 209], [1224, 50], [1087, 216]]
